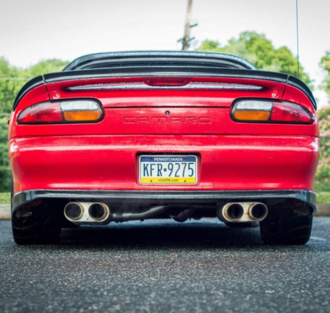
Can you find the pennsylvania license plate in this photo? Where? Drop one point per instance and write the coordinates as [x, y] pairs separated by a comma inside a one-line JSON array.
[[168, 169]]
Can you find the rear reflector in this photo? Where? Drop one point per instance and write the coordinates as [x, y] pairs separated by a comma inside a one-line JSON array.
[[270, 112], [62, 112]]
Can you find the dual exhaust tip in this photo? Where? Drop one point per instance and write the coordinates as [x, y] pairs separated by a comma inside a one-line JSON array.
[[243, 212], [97, 212], [85, 212]]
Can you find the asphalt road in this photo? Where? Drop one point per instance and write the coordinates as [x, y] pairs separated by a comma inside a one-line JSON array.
[[158, 266]]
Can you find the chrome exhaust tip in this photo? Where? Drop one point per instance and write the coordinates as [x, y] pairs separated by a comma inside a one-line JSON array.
[[234, 212], [87, 213], [231, 212], [99, 211], [242, 212], [258, 211], [73, 211]]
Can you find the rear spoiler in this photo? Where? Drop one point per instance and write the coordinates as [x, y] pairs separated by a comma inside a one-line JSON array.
[[169, 70]]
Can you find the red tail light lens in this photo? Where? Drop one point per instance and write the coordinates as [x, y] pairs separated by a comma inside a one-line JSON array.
[[289, 112], [68, 111], [270, 112], [41, 113]]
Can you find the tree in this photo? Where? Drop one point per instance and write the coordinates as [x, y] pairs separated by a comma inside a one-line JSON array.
[[260, 52], [322, 180], [10, 83], [46, 66], [325, 65], [9, 86], [12, 78]]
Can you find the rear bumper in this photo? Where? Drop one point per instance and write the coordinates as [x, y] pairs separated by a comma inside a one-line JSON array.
[[226, 163], [161, 197]]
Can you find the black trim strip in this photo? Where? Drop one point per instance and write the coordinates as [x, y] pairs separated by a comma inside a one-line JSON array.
[[131, 196]]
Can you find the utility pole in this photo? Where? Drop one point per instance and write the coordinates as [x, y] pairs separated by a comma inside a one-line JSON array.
[[186, 38]]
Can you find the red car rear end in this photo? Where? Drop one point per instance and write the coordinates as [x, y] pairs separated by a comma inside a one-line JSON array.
[[131, 136]]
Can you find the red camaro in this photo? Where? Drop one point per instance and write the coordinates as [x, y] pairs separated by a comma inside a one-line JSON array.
[[139, 135]]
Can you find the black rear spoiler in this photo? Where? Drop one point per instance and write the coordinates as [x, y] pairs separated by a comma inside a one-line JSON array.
[[178, 64]]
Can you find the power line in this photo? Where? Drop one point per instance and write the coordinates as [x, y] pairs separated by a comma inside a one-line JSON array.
[[297, 26], [12, 78]]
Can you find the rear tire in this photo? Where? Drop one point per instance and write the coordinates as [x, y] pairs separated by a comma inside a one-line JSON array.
[[39, 224], [286, 227]]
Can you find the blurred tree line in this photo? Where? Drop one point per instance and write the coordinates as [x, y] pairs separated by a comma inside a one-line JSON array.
[[254, 47], [261, 53], [12, 80], [322, 181]]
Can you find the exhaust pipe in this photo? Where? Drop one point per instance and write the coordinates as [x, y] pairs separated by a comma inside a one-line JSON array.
[[258, 211], [242, 212], [73, 211], [184, 215], [87, 213], [98, 212]]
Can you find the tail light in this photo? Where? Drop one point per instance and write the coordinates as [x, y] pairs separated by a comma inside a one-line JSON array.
[[166, 82], [66, 111], [270, 112]]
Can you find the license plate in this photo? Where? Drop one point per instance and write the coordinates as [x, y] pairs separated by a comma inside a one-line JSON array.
[[168, 169]]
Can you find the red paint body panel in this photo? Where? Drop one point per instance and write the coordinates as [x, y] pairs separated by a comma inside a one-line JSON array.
[[110, 162], [103, 155]]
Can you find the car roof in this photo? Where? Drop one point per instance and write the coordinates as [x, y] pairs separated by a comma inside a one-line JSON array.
[[113, 60]]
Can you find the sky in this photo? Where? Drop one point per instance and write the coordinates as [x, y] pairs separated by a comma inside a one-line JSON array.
[[35, 30]]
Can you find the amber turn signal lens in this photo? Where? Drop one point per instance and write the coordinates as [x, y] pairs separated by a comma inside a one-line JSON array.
[[83, 116], [247, 115]]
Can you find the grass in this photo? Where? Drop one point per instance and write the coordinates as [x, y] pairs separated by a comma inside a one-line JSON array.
[[323, 196], [4, 197]]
